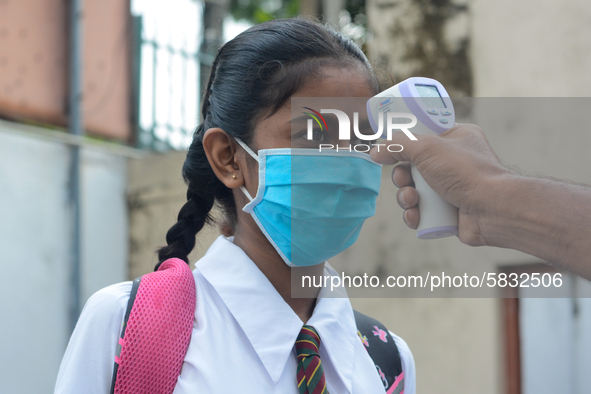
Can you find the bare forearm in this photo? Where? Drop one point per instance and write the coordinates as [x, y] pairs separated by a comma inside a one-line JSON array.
[[545, 218]]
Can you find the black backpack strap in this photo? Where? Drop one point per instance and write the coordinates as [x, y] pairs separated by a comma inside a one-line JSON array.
[[134, 287], [383, 351]]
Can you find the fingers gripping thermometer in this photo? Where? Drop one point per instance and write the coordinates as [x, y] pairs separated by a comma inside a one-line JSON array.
[[429, 102]]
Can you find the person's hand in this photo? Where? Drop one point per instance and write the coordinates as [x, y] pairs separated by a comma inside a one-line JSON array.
[[459, 165]]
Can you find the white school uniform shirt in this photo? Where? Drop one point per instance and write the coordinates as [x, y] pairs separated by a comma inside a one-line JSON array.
[[242, 341]]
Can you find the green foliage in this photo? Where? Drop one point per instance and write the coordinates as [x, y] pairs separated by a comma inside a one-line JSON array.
[[259, 11], [353, 24]]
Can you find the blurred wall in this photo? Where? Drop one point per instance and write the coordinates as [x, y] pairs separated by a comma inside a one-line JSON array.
[[34, 64], [420, 38], [35, 238], [156, 195], [531, 48]]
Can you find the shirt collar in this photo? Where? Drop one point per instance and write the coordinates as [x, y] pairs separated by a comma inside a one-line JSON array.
[[268, 321]]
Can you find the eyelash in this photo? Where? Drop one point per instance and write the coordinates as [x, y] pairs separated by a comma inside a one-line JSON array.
[[304, 134]]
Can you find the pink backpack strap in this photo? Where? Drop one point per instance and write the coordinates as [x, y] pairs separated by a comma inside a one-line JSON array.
[[156, 331]]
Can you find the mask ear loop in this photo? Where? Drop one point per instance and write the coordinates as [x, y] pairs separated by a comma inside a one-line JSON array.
[[254, 156]]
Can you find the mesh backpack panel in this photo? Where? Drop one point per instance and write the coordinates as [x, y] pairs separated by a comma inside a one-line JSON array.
[[156, 331]]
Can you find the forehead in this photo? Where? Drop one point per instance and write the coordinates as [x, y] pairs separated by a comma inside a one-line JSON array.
[[335, 81]]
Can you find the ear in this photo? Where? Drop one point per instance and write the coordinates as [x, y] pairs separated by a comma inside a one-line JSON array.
[[220, 149]]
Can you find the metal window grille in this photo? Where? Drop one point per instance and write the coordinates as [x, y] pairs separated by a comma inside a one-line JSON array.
[[167, 69]]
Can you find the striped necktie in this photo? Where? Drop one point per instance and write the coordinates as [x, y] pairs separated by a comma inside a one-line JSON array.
[[310, 372]]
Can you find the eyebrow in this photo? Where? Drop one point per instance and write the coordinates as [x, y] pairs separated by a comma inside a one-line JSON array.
[[301, 117]]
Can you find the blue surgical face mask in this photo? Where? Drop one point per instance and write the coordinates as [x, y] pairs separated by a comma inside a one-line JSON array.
[[311, 205]]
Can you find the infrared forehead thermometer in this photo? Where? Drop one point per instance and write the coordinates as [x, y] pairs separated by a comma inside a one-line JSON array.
[[429, 102]]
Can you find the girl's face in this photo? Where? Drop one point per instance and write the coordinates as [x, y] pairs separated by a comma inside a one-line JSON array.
[[275, 131]]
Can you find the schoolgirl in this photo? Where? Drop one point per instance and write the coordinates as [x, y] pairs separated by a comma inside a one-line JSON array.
[[246, 322]]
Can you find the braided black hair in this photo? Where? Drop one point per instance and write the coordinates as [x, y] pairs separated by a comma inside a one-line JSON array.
[[258, 70]]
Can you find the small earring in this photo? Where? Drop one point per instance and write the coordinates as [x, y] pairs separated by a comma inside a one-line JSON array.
[[234, 176]]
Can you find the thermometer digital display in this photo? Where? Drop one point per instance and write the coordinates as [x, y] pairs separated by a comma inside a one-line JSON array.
[[430, 96]]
